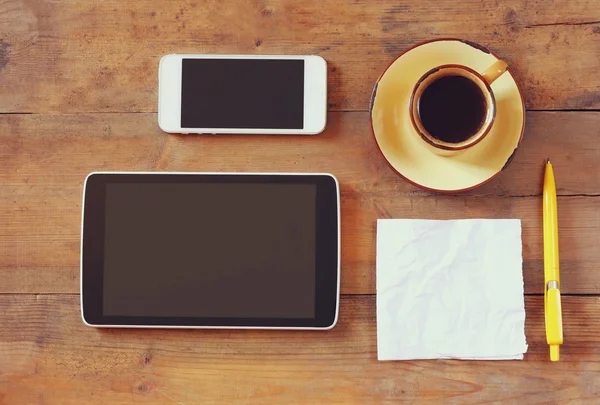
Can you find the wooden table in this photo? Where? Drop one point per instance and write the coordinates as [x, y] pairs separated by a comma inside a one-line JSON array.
[[78, 87]]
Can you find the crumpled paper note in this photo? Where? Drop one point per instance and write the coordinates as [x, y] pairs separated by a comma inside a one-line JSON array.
[[450, 289]]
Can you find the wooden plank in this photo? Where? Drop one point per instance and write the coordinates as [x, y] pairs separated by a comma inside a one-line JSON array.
[[60, 150], [579, 222], [89, 56], [40, 251], [49, 356], [44, 159]]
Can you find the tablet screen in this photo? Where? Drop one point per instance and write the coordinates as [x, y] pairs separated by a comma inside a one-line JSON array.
[[210, 250]]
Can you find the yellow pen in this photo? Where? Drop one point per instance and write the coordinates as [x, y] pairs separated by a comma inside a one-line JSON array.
[[552, 306]]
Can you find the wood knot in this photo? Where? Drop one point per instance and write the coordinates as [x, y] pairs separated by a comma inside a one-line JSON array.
[[266, 12], [4, 59], [512, 20]]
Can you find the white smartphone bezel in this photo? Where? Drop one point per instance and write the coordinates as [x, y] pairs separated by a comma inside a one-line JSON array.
[[169, 95], [337, 306]]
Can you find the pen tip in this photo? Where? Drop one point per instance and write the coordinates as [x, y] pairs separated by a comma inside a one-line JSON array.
[[548, 161]]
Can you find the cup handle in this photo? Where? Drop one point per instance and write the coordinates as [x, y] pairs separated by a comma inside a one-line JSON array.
[[494, 71]]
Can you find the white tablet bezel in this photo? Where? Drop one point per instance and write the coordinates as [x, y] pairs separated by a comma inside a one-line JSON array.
[[215, 327]]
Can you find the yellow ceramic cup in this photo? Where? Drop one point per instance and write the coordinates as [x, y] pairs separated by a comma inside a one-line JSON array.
[[482, 80]]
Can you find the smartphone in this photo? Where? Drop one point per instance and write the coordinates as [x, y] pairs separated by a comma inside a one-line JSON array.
[[242, 94]]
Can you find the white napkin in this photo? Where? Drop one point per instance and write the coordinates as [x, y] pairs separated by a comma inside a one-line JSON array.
[[450, 289]]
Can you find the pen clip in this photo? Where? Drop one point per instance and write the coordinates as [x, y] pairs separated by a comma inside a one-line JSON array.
[[553, 317]]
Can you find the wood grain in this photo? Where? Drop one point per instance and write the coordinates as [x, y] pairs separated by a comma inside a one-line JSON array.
[[49, 356], [44, 160], [47, 258], [94, 64], [90, 56], [60, 150]]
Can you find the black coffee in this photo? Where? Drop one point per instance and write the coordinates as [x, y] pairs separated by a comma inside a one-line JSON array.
[[452, 108]]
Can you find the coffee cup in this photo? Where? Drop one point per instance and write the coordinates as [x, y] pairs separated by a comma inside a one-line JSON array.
[[452, 107]]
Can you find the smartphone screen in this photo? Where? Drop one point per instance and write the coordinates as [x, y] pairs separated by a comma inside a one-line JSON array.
[[242, 93]]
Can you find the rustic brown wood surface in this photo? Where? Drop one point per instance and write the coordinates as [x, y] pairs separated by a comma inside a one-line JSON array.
[[87, 72], [46, 158], [51, 357], [76, 55]]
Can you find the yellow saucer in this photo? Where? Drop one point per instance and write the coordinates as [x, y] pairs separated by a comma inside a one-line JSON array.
[[409, 155]]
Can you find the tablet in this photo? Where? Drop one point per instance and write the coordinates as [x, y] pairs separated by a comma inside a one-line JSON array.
[[210, 250]]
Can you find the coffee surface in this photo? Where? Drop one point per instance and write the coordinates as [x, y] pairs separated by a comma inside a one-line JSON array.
[[452, 108]]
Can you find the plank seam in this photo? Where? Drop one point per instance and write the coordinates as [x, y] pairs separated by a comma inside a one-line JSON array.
[[562, 23], [336, 111]]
